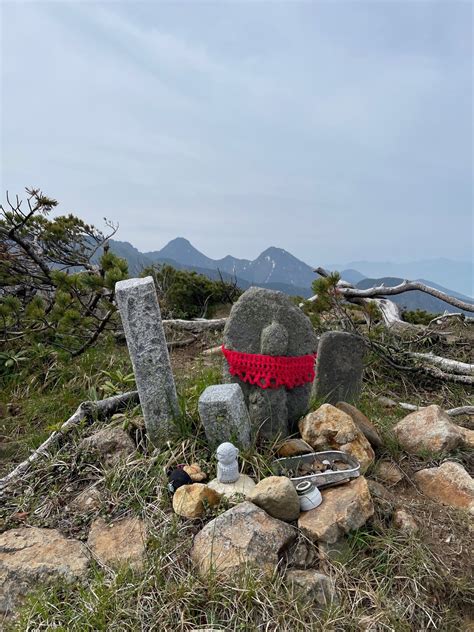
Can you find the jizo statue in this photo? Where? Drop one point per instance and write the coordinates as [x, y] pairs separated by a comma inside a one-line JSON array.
[[270, 347]]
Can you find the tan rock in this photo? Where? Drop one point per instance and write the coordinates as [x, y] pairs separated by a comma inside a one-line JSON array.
[[344, 508], [121, 542], [448, 484], [388, 472], [313, 586], [278, 497], [405, 522], [467, 437], [428, 429], [293, 447], [109, 445], [30, 557], [243, 536], [329, 428], [190, 501], [363, 423], [195, 473], [234, 492], [88, 501]]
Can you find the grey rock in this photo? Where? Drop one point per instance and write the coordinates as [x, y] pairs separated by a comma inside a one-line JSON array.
[[30, 557], [303, 555], [339, 367], [109, 445], [143, 327], [224, 415], [241, 537], [267, 322], [313, 586], [277, 496]]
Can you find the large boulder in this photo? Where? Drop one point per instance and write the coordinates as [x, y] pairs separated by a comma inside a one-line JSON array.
[[190, 501], [30, 557], [118, 543], [428, 429], [448, 484], [243, 536], [363, 423], [277, 496], [344, 508], [329, 428], [109, 446]]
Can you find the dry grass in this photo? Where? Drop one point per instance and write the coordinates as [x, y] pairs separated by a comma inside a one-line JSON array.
[[385, 581]]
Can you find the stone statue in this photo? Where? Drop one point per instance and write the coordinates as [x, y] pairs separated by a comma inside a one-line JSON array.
[[227, 464], [266, 322]]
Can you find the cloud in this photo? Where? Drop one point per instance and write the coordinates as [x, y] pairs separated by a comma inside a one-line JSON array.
[[337, 131]]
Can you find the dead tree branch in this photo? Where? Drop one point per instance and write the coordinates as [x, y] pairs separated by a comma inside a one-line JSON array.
[[103, 408]]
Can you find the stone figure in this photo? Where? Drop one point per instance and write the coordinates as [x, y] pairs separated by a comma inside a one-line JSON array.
[[227, 463], [266, 323]]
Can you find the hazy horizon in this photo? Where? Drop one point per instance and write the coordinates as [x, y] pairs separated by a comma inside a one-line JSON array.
[[337, 131]]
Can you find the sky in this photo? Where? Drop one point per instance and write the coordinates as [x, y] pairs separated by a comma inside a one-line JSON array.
[[337, 130]]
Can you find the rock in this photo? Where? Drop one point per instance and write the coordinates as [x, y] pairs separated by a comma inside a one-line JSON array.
[[363, 423], [302, 555], [109, 445], [329, 428], [339, 367], [405, 522], [143, 327], [293, 447], [278, 497], [224, 415], [267, 322], [384, 499], [467, 437], [89, 500], [30, 557], [428, 429], [344, 508], [195, 473], [313, 586], [387, 402], [339, 551], [243, 536], [190, 501], [234, 492], [448, 484], [388, 472], [118, 543]]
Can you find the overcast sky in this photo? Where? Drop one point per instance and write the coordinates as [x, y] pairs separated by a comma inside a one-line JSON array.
[[336, 130]]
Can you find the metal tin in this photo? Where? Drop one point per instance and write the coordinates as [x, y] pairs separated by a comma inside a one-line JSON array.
[[288, 465]]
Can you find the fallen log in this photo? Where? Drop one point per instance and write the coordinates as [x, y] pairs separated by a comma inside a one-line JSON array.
[[103, 408], [213, 324]]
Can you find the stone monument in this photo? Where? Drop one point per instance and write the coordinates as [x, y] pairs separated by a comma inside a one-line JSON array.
[[141, 319], [339, 367], [269, 345], [224, 415]]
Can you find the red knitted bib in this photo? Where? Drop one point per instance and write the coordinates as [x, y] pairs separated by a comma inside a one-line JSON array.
[[271, 371]]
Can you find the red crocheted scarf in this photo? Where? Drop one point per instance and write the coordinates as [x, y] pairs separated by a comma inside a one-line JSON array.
[[271, 371]]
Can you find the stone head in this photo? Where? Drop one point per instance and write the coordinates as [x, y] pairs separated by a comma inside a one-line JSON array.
[[227, 453]]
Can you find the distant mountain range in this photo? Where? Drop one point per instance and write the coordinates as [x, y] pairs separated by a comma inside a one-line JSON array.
[[278, 269]]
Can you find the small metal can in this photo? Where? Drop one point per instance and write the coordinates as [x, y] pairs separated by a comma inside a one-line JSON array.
[[309, 495]]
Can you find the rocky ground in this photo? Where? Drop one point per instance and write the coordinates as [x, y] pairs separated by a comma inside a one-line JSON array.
[[92, 539]]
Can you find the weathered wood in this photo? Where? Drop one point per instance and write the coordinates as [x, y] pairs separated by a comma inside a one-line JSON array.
[[87, 410]]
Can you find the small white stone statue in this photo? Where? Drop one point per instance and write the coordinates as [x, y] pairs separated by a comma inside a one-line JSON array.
[[227, 464]]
